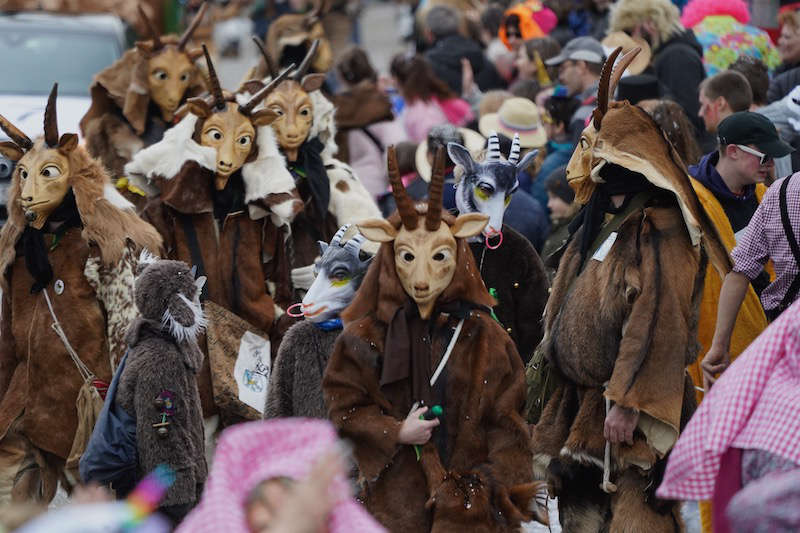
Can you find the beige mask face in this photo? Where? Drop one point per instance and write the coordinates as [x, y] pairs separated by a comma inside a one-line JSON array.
[[43, 175], [232, 135], [295, 114], [169, 74], [582, 168]]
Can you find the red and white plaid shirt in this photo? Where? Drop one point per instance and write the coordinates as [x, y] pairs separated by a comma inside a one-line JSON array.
[[765, 239], [754, 405]]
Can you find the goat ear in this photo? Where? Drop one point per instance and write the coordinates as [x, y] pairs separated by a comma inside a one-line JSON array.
[[377, 230], [263, 117], [11, 151], [194, 53], [469, 225], [145, 47], [196, 106], [526, 160], [322, 247], [312, 82], [460, 156], [252, 86], [67, 143]]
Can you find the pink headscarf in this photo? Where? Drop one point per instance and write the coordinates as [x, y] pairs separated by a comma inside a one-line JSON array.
[[754, 405], [250, 453]]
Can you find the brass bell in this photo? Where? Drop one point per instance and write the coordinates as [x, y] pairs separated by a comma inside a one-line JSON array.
[[162, 432]]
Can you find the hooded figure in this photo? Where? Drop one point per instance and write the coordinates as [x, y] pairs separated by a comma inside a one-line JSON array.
[[158, 386], [621, 323], [134, 100], [296, 380], [67, 260], [420, 335]]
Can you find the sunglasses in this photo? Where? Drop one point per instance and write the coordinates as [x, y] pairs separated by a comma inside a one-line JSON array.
[[763, 159]]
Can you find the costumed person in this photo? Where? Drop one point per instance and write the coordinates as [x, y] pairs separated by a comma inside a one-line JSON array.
[[134, 100], [158, 384], [420, 339], [67, 257], [279, 475], [507, 262], [220, 192], [621, 324], [296, 380], [331, 193], [290, 38], [743, 439]]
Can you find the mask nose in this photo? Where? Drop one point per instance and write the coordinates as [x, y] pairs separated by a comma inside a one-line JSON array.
[[421, 286]]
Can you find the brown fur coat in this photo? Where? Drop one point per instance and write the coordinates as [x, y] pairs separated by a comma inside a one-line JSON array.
[[479, 485]]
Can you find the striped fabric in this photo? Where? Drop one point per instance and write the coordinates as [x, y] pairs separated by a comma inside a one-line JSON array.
[[513, 156], [494, 148]]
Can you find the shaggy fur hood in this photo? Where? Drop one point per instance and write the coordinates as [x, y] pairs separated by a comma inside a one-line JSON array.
[[265, 175]]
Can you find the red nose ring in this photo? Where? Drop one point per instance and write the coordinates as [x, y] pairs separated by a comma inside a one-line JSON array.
[[489, 245], [293, 314]]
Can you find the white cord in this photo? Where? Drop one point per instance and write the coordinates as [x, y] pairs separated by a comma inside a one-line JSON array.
[[56, 325], [447, 353]]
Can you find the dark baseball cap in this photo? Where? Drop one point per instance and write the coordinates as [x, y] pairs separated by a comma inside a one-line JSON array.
[[586, 49], [747, 127]]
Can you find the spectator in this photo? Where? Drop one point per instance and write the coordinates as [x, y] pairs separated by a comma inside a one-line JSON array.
[[757, 76], [787, 75], [416, 187], [722, 95], [448, 47], [558, 109], [364, 121], [496, 52], [428, 100], [579, 67], [677, 56], [721, 28], [491, 102], [675, 125], [563, 208], [525, 89], [529, 67], [526, 20], [785, 115]]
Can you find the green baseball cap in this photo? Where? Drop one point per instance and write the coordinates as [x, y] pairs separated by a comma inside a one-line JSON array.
[[747, 127]]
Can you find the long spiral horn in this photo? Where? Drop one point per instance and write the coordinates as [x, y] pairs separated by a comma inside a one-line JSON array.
[[192, 26], [216, 89], [493, 153], [619, 70], [513, 155], [405, 206], [433, 218], [51, 119], [15, 134], [247, 108], [354, 244], [602, 89], [263, 49], [156, 38], [301, 71]]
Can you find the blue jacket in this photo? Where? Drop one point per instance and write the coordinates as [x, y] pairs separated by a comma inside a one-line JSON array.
[[558, 155]]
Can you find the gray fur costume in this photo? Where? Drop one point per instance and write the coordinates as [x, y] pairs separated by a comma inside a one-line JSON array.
[[158, 383]]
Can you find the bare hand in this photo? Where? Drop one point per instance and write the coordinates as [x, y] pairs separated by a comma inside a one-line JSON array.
[[467, 77], [715, 362], [620, 423], [416, 431]]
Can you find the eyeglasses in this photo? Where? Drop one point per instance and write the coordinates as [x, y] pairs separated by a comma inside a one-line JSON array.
[[763, 159]]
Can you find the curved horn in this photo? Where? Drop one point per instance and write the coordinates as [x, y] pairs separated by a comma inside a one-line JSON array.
[[216, 89], [493, 153], [433, 218], [337, 238], [619, 70], [247, 108], [513, 155], [192, 26], [602, 89], [22, 140], [316, 12], [262, 48], [51, 119], [354, 244], [301, 71], [405, 206], [157, 44]]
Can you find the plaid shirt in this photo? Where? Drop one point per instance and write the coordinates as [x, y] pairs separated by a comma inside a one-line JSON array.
[[765, 239]]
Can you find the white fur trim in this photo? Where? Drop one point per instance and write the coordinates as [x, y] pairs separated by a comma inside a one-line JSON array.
[[111, 194], [179, 331], [166, 157], [324, 125], [581, 457], [354, 205], [146, 257], [267, 175]]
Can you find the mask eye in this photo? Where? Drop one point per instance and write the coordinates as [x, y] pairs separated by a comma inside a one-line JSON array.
[[277, 110], [407, 257], [214, 134], [584, 143], [441, 255], [245, 140], [23, 173], [51, 171], [305, 112], [160, 74], [185, 77]]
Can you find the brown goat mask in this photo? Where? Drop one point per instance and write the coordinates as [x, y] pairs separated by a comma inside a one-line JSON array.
[[43, 168], [170, 66], [227, 126], [424, 249], [301, 30], [625, 135]]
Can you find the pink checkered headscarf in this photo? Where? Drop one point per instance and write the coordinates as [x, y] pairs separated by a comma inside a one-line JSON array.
[[754, 405], [250, 453]]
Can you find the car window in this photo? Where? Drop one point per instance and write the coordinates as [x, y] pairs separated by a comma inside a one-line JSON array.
[[30, 61]]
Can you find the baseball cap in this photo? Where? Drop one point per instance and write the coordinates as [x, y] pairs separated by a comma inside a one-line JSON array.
[[586, 49], [746, 127]]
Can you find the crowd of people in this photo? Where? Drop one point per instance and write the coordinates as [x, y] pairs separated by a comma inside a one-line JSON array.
[[543, 263]]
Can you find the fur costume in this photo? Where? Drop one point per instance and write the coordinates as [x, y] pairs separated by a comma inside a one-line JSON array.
[[621, 322], [91, 292], [474, 472], [158, 385], [122, 118]]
